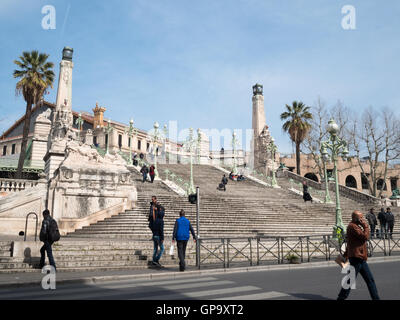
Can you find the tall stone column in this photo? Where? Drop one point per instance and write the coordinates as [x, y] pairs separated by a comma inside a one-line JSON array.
[[62, 116], [258, 125]]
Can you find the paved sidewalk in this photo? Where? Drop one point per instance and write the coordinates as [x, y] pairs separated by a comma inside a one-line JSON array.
[[34, 279]]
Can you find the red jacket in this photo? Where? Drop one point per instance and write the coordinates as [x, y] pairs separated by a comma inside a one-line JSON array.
[[357, 237]]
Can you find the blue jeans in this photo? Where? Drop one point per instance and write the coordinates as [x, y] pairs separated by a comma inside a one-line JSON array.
[[47, 248], [157, 243], [361, 267]]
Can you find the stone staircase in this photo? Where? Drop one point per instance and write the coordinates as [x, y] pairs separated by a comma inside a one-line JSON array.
[[246, 209]]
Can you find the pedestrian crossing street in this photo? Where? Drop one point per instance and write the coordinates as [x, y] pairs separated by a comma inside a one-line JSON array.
[[205, 288]]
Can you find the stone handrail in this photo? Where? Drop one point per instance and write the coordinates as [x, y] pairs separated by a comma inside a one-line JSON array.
[[343, 190], [15, 185], [356, 195]]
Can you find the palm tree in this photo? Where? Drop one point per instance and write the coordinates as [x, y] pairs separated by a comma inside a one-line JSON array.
[[35, 76], [297, 126]]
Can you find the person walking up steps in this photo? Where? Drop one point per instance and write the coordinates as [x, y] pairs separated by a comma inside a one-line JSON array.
[[49, 234], [158, 235], [152, 173], [144, 171], [181, 235]]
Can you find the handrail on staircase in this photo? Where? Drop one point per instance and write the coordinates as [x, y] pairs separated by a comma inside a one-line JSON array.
[[26, 224]]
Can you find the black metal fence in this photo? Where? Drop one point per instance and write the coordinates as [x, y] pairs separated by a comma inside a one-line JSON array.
[[227, 252]]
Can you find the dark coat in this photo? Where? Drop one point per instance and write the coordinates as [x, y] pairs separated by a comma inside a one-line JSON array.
[[158, 225], [44, 231], [382, 217], [371, 219], [389, 217]]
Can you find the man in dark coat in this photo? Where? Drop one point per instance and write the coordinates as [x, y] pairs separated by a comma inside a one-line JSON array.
[[389, 221], [47, 243], [372, 221], [382, 222], [224, 182], [158, 236]]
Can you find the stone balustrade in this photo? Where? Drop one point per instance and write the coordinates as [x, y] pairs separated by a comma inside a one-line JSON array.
[[14, 185], [343, 190]]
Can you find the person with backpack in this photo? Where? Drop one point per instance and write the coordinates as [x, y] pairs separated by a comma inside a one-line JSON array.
[[181, 235], [389, 221], [49, 234], [372, 221], [382, 222]]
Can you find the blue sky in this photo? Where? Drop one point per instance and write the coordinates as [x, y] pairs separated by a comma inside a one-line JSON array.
[[196, 61]]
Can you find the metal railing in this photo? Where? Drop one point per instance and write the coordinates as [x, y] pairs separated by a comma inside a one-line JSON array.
[[280, 250], [26, 224]]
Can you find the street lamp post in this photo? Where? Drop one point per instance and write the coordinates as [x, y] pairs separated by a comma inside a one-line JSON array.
[[79, 122], [130, 132], [108, 130], [337, 147], [234, 144], [198, 146], [271, 147], [155, 138], [190, 143], [325, 159]]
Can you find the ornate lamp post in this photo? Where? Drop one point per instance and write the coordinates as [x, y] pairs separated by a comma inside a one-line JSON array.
[[130, 132], [271, 147], [155, 137], [337, 147], [198, 146], [234, 145], [108, 130], [190, 144], [325, 159], [79, 122]]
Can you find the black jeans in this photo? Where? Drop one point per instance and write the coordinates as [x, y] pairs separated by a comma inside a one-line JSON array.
[[47, 248], [361, 267], [390, 226], [372, 230], [181, 244]]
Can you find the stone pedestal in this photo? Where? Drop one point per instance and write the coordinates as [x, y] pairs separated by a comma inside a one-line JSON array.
[[40, 141]]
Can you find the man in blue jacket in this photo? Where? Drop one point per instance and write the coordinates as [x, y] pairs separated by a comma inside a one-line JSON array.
[[181, 235]]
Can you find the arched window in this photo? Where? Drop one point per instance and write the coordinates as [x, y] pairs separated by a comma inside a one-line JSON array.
[[311, 176], [351, 182]]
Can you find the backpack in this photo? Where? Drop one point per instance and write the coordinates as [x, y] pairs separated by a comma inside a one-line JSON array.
[[54, 233]]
